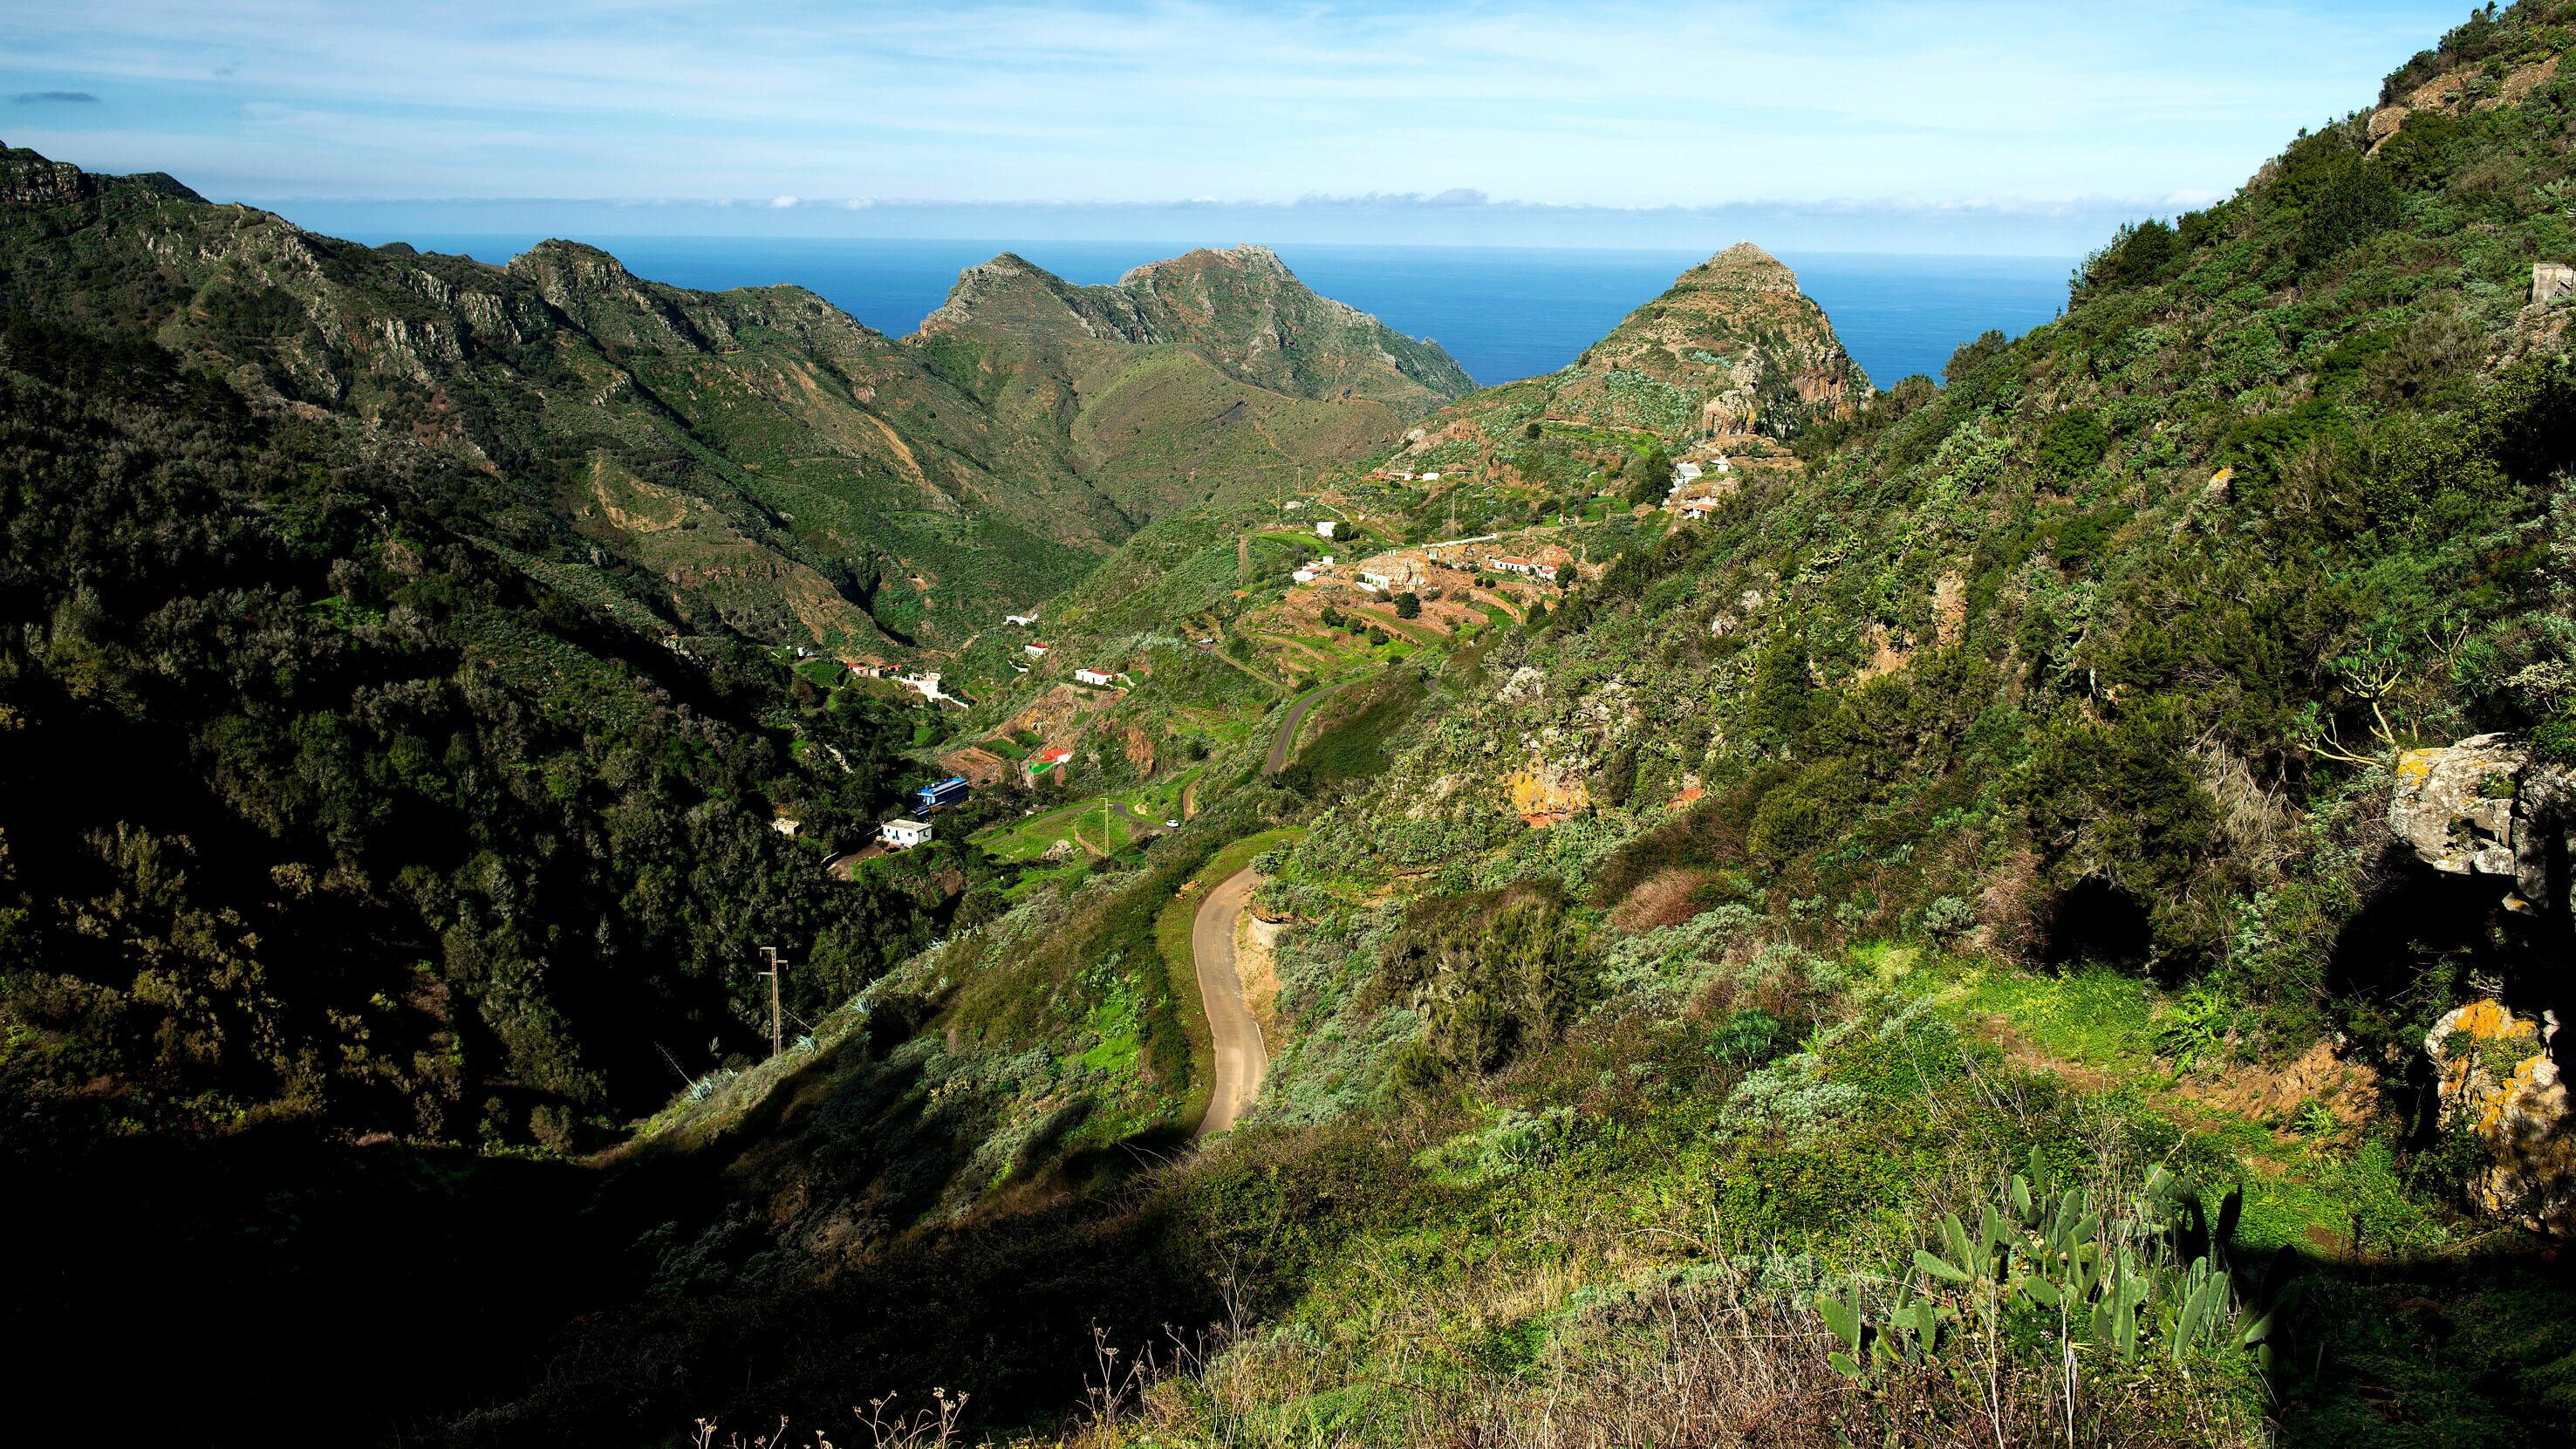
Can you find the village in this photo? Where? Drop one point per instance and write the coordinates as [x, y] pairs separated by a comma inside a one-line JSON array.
[[1355, 600]]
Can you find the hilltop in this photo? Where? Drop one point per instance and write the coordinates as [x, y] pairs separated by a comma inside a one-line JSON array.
[[1241, 308], [1276, 383]]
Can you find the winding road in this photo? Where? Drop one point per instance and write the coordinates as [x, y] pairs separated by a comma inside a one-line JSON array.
[[1286, 742], [1145, 823], [1242, 1058]]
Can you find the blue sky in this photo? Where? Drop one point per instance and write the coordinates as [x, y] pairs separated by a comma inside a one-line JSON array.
[[1935, 126]]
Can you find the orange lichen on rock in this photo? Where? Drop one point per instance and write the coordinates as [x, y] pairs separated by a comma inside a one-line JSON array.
[[2499, 1084]]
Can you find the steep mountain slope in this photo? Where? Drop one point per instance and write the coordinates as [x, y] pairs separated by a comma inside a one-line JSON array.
[[1552, 461], [752, 463], [1964, 979], [1731, 348], [1734, 334], [1278, 382]]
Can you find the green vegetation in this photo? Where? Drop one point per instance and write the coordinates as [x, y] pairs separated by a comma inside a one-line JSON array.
[[1915, 957]]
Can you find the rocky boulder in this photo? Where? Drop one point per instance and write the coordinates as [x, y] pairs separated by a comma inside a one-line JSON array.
[[2500, 1084], [2483, 807]]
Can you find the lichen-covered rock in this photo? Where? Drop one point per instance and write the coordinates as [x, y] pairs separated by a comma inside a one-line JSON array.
[[2500, 1084], [1546, 791], [2484, 807], [2455, 805]]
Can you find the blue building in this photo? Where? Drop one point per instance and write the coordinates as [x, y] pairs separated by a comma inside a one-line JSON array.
[[951, 791]]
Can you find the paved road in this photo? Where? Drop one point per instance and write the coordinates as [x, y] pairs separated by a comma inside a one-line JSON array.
[[1286, 742], [1148, 824], [1241, 1057]]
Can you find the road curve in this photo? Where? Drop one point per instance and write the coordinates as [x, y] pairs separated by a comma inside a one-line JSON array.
[[1145, 823], [1286, 740], [1242, 1059]]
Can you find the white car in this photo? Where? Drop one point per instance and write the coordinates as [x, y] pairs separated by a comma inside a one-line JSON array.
[[1171, 825]]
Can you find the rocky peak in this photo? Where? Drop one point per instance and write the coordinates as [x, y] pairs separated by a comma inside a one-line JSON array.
[[1742, 267], [1012, 295], [1735, 347], [561, 268], [596, 292], [1245, 258], [29, 180]]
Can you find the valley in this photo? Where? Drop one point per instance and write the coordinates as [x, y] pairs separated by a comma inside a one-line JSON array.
[[1700, 897]]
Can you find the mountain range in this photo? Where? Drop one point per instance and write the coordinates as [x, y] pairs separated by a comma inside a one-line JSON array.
[[1689, 899], [755, 462]]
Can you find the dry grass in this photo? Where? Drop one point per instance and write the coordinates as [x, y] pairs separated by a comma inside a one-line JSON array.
[[1663, 900], [934, 1426]]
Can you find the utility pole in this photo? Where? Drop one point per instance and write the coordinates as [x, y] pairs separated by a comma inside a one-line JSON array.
[[777, 1033]]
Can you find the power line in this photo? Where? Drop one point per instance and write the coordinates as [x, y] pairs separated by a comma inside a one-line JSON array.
[[777, 1030]]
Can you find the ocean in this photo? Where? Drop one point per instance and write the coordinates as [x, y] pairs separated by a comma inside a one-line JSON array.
[[1503, 312]]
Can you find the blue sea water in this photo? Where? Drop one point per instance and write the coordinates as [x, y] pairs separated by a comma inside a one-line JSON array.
[[1503, 312]]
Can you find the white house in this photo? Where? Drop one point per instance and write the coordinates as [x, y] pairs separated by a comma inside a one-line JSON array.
[[1430, 477], [1373, 581], [1305, 575], [925, 685], [1034, 650], [1504, 563], [1689, 471], [1324, 528], [1091, 676], [903, 834]]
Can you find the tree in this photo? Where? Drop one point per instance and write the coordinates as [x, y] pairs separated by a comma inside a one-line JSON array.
[[1649, 475], [1408, 605]]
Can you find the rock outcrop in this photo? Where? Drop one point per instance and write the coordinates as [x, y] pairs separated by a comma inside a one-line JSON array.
[[2461, 91], [2484, 807], [2500, 1084]]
